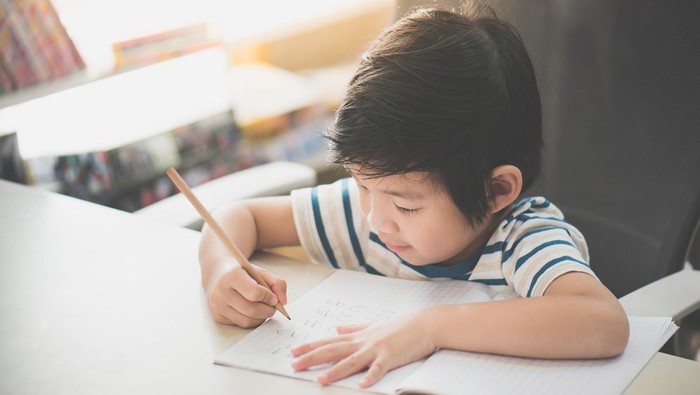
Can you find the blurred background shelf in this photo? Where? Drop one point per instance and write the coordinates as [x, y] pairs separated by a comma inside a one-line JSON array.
[[269, 80]]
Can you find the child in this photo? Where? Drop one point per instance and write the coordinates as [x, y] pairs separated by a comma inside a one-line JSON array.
[[440, 130]]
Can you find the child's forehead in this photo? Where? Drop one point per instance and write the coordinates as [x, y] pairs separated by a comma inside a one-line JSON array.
[[422, 180]]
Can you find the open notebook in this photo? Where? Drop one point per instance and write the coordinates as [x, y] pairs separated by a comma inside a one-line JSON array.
[[347, 297]]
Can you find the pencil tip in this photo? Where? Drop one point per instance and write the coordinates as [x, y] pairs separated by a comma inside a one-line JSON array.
[[283, 311]]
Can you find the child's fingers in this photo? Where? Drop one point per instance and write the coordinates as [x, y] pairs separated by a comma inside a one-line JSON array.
[[253, 310], [330, 353], [350, 365], [225, 301], [222, 319], [308, 347], [351, 328], [250, 289], [277, 284], [237, 318], [376, 371]]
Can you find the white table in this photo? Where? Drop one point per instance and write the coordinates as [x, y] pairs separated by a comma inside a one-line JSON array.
[[94, 300]]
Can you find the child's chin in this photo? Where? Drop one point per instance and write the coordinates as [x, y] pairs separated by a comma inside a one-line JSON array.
[[414, 260]]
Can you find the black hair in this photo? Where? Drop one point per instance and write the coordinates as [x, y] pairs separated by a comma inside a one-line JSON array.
[[452, 94]]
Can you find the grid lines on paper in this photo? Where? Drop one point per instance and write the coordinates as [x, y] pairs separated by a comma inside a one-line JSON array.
[[344, 298]]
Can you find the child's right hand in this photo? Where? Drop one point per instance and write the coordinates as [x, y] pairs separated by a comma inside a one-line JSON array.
[[235, 298]]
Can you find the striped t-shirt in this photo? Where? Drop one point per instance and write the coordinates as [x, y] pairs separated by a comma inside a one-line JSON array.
[[531, 247]]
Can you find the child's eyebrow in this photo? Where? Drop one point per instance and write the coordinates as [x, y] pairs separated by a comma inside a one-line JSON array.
[[405, 194]]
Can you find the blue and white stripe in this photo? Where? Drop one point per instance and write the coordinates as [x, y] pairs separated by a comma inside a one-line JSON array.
[[530, 248]]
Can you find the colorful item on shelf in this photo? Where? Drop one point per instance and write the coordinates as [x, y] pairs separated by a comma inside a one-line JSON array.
[[161, 46], [35, 45]]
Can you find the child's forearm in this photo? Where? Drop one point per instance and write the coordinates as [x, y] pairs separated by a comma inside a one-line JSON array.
[[239, 225], [557, 326], [250, 225]]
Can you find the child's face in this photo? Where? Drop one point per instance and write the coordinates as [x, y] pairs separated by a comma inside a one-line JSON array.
[[417, 220]]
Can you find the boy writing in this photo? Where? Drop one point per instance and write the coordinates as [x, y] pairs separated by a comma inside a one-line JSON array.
[[441, 131]]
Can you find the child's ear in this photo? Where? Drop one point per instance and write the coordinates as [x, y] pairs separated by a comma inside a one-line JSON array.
[[506, 185]]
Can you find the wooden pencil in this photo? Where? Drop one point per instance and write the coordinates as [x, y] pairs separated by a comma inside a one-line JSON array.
[[250, 269]]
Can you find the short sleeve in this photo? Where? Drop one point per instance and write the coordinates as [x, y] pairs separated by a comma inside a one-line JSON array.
[[540, 247], [330, 224]]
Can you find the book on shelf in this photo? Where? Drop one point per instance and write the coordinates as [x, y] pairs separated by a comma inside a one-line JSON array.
[[21, 25], [6, 84], [49, 38], [162, 46], [35, 45], [20, 71], [85, 175], [131, 176], [106, 177]]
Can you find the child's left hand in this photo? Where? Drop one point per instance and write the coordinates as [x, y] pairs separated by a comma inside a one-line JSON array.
[[380, 347]]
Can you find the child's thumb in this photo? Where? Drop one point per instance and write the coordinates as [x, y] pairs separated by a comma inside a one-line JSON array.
[[277, 285]]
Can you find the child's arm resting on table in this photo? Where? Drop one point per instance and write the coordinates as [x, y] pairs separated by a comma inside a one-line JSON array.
[[576, 318], [234, 297]]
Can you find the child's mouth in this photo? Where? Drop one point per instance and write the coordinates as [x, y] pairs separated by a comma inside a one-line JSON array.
[[396, 248]]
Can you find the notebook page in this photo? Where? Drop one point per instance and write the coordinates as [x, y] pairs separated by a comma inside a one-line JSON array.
[[344, 297], [454, 372]]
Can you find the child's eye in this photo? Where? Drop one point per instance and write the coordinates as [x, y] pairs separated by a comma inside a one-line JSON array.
[[406, 210]]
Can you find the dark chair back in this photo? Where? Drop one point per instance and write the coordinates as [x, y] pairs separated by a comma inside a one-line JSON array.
[[620, 87]]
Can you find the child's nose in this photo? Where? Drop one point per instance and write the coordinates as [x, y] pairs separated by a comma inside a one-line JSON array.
[[381, 222]]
